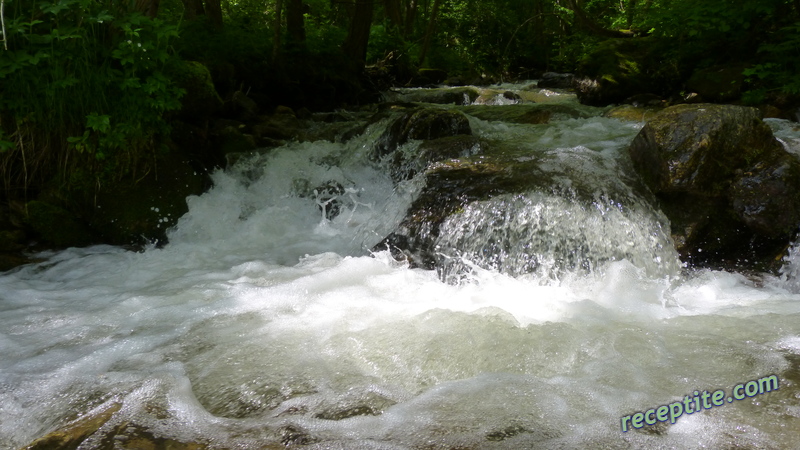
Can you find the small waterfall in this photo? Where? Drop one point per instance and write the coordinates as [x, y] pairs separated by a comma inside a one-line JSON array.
[[548, 235]]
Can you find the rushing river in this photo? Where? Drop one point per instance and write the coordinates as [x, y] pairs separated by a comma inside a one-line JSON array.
[[263, 324]]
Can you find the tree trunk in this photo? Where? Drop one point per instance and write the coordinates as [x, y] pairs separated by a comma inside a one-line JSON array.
[[630, 13], [295, 24], [214, 13], [411, 16], [429, 32], [148, 7], [355, 45], [193, 8], [276, 40], [392, 10]]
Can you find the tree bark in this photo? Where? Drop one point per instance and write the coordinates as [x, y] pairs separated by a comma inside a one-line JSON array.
[[295, 24], [411, 16], [148, 7], [193, 8], [392, 10], [429, 32], [214, 13], [355, 45], [590, 25], [276, 40], [630, 13]]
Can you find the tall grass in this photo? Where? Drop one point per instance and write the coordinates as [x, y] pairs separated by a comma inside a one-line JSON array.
[[82, 94]]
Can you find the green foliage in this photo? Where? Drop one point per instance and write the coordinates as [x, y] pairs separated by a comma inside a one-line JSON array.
[[779, 69], [84, 85]]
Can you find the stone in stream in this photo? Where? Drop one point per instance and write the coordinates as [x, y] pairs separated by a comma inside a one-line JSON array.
[[729, 188], [420, 124]]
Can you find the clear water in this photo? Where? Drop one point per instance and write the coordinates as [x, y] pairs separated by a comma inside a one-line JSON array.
[[262, 323]]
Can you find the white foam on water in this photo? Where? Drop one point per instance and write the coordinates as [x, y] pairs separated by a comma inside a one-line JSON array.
[[263, 323]]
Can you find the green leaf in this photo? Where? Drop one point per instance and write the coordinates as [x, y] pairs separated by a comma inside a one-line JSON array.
[[99, 123]]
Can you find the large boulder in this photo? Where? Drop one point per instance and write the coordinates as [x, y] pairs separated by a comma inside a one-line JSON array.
[[546, 211], [200, 100], [729, 188]]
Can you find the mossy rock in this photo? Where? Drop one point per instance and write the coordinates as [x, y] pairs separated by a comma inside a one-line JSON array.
[[201, 99], [406, 165], [631, 113], [729, 188], [134, 213], [435, 76], [444, 96], [57, 226]]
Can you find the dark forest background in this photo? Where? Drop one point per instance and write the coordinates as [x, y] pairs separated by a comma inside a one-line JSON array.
[[98, 92]]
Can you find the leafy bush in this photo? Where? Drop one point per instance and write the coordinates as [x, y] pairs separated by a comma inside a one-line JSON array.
[[83, 94]]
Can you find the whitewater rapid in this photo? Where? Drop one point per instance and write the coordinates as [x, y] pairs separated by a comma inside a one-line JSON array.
[[263, 323]]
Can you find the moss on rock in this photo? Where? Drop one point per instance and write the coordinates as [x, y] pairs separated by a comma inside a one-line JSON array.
[[201, 99], [56, 225]]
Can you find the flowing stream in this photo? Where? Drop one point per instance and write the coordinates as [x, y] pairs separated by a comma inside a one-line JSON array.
[[264, 324]]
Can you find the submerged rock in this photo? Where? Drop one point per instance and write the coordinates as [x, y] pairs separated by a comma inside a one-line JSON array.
[[525, 113], [729, 188], [546, 211]]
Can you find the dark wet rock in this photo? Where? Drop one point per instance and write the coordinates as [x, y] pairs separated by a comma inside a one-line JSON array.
[[421, 124], [434, 76], [506, 433], [444, 96], [454, 81], [241, 107], [232, 139], [451, 185], [524, 113], [283, 125], [133, 213], [632, 113], [718, 83], [291, 435], [508, 95], [10, 261], [12, 240], [405, 165], [645, 100], [327, 197], [553, 80], [434, 124], [729, 188], [57, 226], [371, 404], [74, 433], [201, 99]]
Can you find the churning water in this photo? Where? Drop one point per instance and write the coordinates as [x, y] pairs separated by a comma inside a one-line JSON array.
[[263, 323]]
